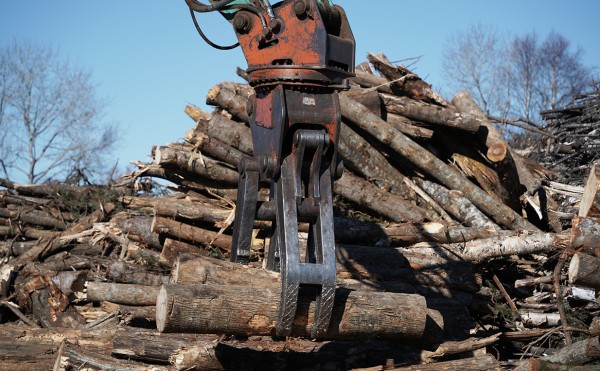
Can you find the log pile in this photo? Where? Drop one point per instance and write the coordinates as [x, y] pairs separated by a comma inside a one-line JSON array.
[[451, 253]]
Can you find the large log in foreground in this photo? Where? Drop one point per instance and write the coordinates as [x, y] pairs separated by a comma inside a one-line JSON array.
[[251, 311]]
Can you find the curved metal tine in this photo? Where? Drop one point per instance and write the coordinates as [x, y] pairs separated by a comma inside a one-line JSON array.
[[273, 258], [324, 246], [246, 210], [287, 227]]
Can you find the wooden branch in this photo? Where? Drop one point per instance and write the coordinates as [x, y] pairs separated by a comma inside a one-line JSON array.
[[404, 82], [253, 311], [399, 143]]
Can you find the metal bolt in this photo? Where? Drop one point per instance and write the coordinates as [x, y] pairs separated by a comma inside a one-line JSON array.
[[242, 22], [301, 8]]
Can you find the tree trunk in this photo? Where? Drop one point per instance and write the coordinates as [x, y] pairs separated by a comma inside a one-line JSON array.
[[481, 250], [33, 217], [375, 199], [26, 348], [586, 235], [451, 178], [578, 353], [251, 311], [194, 163], [122, 293], [72, 357], [224, 97], [486, 362], [457, 205], [175, 248], [362, 158], [431, 113], [583, 271], [190, 233]]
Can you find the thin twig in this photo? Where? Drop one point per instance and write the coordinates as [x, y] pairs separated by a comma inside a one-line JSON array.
[[559, 298], [510, 302]]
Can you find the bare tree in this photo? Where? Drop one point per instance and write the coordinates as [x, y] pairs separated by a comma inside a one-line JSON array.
[[562, 75], [521, 75], [515, 77], [51, 116], [471, 63]]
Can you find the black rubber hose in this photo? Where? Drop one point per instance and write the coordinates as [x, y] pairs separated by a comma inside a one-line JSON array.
[[199, 7]]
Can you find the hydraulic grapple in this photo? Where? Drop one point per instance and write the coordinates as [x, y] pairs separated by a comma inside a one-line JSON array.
[[300, 54]]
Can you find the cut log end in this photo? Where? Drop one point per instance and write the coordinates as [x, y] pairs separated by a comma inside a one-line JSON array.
[[162, 308], [496, 152]]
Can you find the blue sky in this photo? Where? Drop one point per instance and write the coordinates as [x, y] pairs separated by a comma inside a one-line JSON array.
[[148, 60]]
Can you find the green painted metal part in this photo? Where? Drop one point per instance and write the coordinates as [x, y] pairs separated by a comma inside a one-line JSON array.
[[229, 13]]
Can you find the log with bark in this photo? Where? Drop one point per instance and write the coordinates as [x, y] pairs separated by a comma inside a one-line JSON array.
[[252, 311]]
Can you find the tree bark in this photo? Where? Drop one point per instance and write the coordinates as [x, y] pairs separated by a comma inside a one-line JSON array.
[[191, 210], [122, 293], [172, 249], [33, 217], [431, 113], [457, 205], [224, 97], [486, 362], [121, 272], [586, 235], [583, 271], [578, 353], [452, 179], [253, 311], [72, 357], [190, 233], [27, 348], [481, 250], [375, 199], [137, 228], [195, 163], [404, 82], [362, 158], [408, 127], [214, 147]]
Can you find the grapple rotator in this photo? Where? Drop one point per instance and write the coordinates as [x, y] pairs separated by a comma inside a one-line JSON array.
[[300, 54]]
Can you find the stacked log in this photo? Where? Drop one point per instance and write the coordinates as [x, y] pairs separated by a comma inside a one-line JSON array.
[[447, 245]]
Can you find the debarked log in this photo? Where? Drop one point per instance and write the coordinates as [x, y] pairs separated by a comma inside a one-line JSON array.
[[250, 311]]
